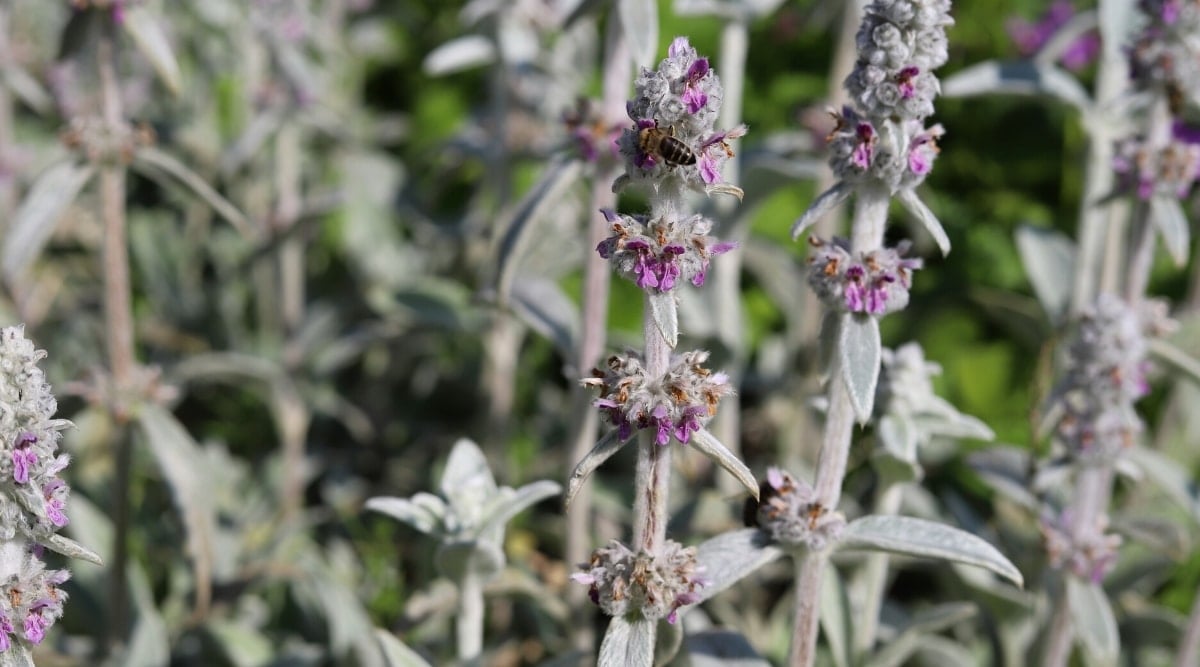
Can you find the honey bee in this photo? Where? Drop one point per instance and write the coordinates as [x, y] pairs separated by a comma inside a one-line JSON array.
[[657, 142]]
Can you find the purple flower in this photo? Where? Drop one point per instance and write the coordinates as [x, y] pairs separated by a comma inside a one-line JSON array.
[[693, 97], [35, 627], [904, 80], [1032, 37]]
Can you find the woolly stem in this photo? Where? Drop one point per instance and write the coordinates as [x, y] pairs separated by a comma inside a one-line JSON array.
[[469, 623], [1189, 645], [118, 321], [1058, 644], [653, 476], [870, 219]]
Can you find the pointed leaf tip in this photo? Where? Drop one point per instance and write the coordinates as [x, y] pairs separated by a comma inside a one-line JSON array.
[[925, 216], [927, 539], [820, 207], [706, 443], [610, 444]]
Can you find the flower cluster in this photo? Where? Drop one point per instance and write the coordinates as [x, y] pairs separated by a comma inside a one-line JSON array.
[[1149, 170], [1087, 551], [655, 585], [32, 495], [1166, 54], [679, 403], [858, 152], [674, 111], [1105, 376], [32, 600], [657, 254], [875, 282], [788, 510], [892, 85]]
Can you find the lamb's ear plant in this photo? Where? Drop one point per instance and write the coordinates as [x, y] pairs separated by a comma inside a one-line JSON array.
[[468, 520], [658, 395], [881, 149], [33, 496]]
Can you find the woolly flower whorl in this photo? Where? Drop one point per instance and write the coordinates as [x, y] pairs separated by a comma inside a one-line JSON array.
[[32, 496], [1166, 54], [659, 254], [788, 510], [900, 43], [682, 99], [875, 282], [622, 582], [679, 403]]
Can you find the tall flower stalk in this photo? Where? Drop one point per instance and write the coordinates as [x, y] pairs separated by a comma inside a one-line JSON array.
[[1092, 410], [33, 498], [880, 149], [672, 147]]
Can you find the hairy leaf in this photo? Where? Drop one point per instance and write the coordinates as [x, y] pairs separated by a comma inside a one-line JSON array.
[[1049, 260], [859, 352], [925, 216], [926, 539], [147, 32], [1167, 215], [628, 643], [39, 213], [707, 444], [665, 313], [639, 22], [732, 556], [1017, 78], [1093, 621], [823, 204], [610, 444]]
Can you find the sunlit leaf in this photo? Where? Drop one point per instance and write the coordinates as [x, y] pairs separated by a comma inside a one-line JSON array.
[[926, 539], [732, 556], [1017, 78], [663, 310], [1167, 215], [1093, 621], [639, 22], [628, 643], [707, 444], [34, 221], [182, 464], [147, 32], [859, 354], [925, 216]]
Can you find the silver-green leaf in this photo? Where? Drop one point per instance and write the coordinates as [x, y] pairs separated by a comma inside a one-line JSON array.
[[1167, 215], [1049, 260], [732, 556], [665, 313], [1093, 621], [925, 216], [926, 539], [396, 653], [147, 32], [707, 444], [610, 444], [39, 213], [859, 352], [639, 22], [628, 643], [820, 207]]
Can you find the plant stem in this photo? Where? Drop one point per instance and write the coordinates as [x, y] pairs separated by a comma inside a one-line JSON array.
[[1095, 271], [118, 321], [469, 624], [810, 570], [870, 219], [653, 476], [597, 276]]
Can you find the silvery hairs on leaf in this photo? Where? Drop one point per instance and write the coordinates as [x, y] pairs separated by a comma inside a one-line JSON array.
[[470, 516], [33, 496]]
